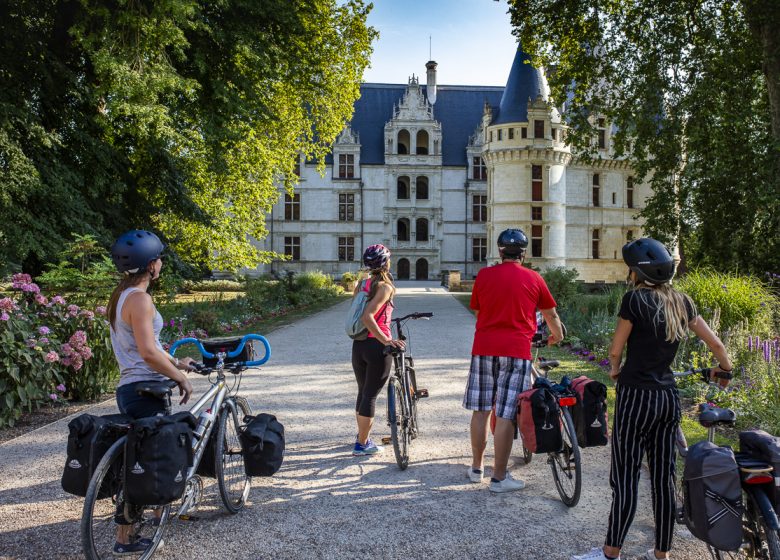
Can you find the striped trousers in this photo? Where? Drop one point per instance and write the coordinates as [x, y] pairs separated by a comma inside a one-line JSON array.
[[646, 421]]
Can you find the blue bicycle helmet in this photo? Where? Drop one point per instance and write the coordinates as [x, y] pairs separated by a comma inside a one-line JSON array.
[[375, 256], [135, 249], [513, 242], [650, 259]]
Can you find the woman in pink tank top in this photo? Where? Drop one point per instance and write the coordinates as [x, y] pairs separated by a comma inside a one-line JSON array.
[[371, 365]]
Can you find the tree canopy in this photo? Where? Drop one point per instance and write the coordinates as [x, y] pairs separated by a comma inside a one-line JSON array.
[[692, 88], [184, 116]]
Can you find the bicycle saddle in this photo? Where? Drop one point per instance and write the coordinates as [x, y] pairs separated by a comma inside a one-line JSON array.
[[157, 389], [548, 364], [710, 415]]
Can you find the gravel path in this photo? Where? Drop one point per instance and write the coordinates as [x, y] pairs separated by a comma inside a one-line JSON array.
[[324, 503]]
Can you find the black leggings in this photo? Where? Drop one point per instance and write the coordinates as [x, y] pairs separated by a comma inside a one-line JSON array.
[[372, 368]]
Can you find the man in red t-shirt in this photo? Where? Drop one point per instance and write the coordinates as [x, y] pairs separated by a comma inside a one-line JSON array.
[[505, 299]]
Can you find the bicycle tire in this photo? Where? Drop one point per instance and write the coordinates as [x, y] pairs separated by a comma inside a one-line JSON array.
[[399, 429], [98, 528], [566, 460], [232, 480]]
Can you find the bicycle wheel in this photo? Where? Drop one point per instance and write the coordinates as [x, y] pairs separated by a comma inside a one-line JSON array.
[[105, 491], [566, 464], [399, 432], [232, 480]]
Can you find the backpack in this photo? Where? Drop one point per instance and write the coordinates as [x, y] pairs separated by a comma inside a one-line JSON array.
[[766, 447], [88, 440], [712, 496], [355, 328], [262, 443], [539, 420], [590, 412], [158, 454]]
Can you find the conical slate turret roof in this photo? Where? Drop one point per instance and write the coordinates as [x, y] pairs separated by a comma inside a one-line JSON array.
[[525, 83]]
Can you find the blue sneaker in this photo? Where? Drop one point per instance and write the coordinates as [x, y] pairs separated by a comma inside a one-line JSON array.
[[370, 448], [138, 546]]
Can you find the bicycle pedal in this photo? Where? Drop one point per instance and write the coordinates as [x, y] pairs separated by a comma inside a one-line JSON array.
[[421, 393], [387, 440], [188, 517]]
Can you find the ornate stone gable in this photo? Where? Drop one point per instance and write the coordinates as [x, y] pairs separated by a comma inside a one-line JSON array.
[[347, 137], [413, 106]]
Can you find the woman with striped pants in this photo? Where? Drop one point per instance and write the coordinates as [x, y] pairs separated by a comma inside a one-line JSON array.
[[652, 320]]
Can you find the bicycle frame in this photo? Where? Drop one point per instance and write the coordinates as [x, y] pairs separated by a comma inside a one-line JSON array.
[[401, 372]]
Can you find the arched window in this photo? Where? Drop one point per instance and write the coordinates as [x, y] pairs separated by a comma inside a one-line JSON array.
[[422, 230], [422, 188], [404, 142], [422, 143], [402, 192], [403, 269], [421, 269], [403, 229]]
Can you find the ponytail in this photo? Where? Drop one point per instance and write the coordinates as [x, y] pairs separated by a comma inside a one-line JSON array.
[[127, 281], [380, 275]]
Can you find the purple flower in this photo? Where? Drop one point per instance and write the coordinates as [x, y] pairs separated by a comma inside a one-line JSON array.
[[100, 310], [44, 330], [4, 316], [58, 300], [750, 342], [51, 357], [60, 388], [725, 287], [591, 358], [53, 396], [43, 340], [172, 323]]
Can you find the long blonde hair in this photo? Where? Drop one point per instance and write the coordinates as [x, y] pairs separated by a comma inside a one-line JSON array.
[[671, 309], [380, 275]]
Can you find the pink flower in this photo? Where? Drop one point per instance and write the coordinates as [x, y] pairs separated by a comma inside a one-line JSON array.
[[53, 396], [51, 357], [60, 388], [43, 340], [78, 338], [88, 314], [101, 310], [7, 304], [41, 299], [73, 310], [4, 316], [31, 343], [66, 349], [66, 361], [58, 300], [44, 330], [21, 278], [86, 352]]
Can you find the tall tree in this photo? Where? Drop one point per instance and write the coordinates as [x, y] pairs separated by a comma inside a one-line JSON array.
[[693, 90], [180, 115]]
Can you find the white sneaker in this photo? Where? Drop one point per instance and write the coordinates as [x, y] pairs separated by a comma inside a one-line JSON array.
[[594, 554], [509, 484], [475, 475], [650, 555]]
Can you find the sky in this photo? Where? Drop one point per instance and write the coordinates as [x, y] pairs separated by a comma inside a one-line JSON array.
[[471, 41]]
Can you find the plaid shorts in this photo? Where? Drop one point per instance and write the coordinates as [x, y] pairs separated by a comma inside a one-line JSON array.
[[497, 380]]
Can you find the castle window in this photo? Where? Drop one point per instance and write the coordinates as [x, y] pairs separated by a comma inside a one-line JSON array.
[[346, 207], [595, 244], [292, 207], [536, 241], [422, 143], [422, 230], [404, 142], [479, 172], [538, 129], [524, 132], [421, 192], [479, 208], [499, 135], [630, 235], [402, 191], [292, 247], [403, 229], [536, 213], [614, 199], [536, 183], [630, 192], [511, 133], [479, 249], [346, 166], [596, 190], [346, 248]]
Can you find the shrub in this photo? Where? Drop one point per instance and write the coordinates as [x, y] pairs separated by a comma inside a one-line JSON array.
[[205, 319], [563, 285], [311, 287], [213, 286], [735, 299], [264, 296]]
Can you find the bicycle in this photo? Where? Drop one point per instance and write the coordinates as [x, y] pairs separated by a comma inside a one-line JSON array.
[[98, 527], [403, 394], [759, 521]]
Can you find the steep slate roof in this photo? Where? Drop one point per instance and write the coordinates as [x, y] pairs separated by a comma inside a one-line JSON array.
[[525, 82], [458, 109]]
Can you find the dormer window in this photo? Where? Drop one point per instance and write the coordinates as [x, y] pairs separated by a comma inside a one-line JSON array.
[[346, 166], [538, 129]]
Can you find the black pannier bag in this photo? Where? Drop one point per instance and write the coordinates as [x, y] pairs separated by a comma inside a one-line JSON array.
[[766, 447], [227, 344], [207, 466], [262, 443], [590, 412], [539, 420], [89, 439], [157, 455], [712, 491]]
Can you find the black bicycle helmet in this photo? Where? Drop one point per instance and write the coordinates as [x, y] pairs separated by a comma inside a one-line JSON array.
[[135, 249], [375, 256], [512, 242], [650, 259]]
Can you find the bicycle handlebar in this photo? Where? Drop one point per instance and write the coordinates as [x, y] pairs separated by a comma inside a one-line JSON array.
[[706, 373], [232, 354], [426, 315]]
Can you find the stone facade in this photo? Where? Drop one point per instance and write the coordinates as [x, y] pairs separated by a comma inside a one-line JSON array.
[[439, 203]]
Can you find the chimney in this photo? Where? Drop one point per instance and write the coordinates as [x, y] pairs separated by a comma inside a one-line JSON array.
[[431, 89]]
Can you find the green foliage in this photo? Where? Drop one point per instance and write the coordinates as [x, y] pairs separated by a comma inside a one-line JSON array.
[[205, 318], [732, 299], [668, 77], [292, 290], [563, 285], [213, 286], [178, 115]]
